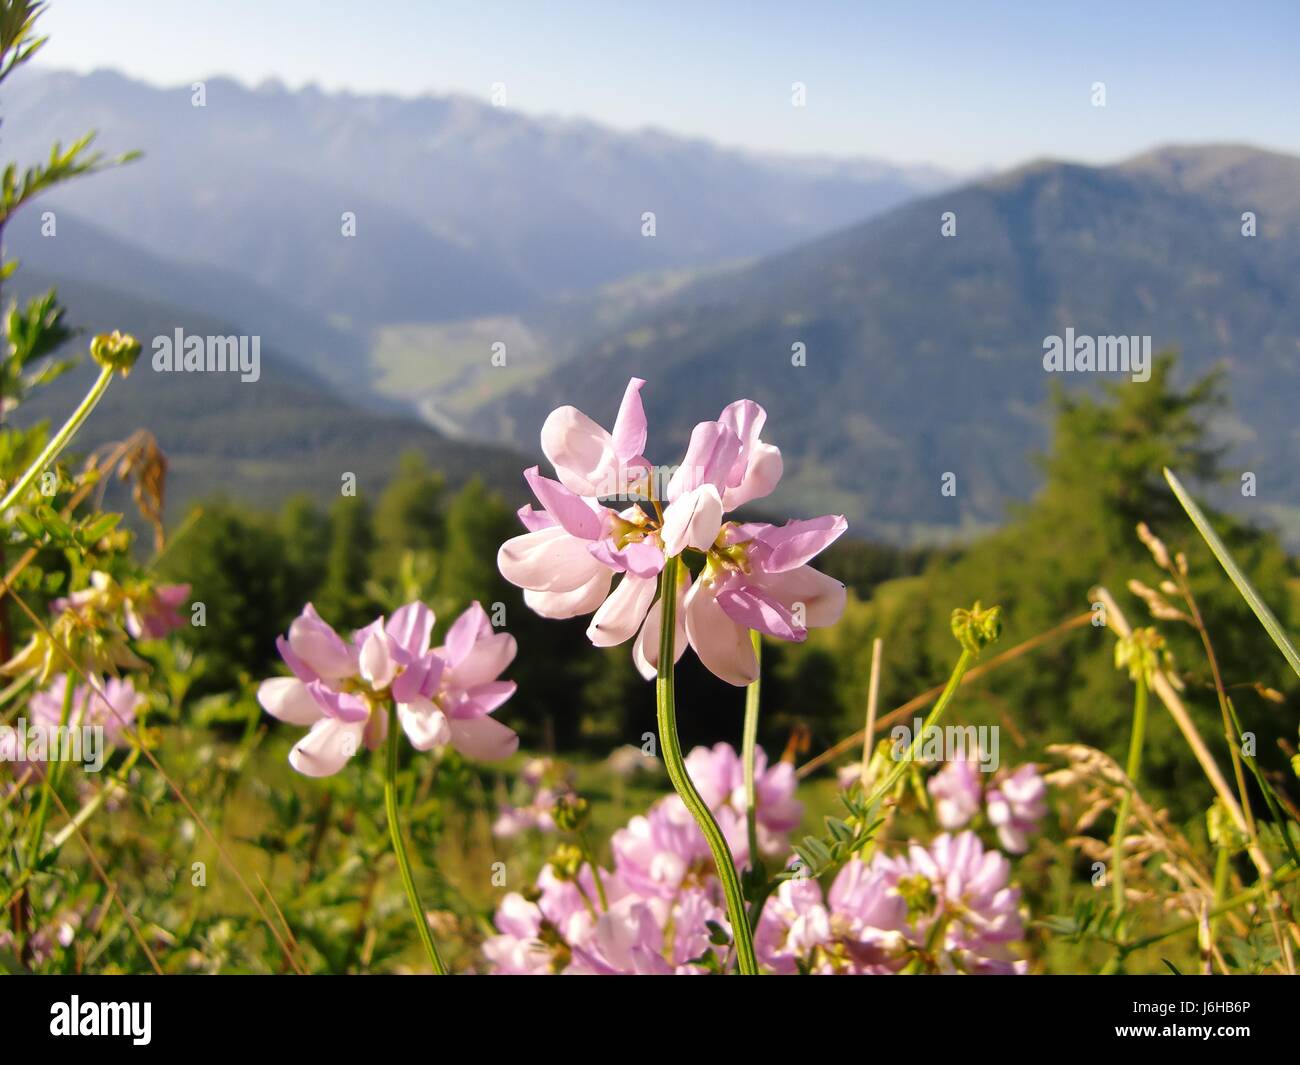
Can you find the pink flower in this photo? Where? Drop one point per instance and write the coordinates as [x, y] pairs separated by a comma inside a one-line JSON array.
[[755, 577], [966, 890], [589, 460], [89, 709], [1016, 805], [956, 790], [651, 937], [340, 689], [158, 614], [857, 930], [539, 937]]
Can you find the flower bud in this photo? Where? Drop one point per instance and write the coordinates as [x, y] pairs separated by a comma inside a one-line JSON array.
[[976, 628], [115, 351]]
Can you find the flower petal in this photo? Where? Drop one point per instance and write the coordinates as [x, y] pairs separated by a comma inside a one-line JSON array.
[[820, 598], [712, 452], [621, 614], [722, 645], [549, 560], [570, 510], [645, 651], [327, 747], [751, 606], [483, 738], [411, 627], [581, 452], [424, 724], [630, 426], [692, 520], [582, 600], [762, 474], [795, 542], [288, 699]]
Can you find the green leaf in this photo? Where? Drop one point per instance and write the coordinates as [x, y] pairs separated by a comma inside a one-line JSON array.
[[839, 829], [1266, 617]]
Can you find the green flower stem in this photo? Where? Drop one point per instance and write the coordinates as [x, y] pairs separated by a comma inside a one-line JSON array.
[[681, 781], [399, 847], [48, 782], [1133, 768], [901, 766], [61, 439], [749, 746], [590, 855]]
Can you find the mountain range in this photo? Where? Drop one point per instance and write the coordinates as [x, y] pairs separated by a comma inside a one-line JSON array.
[[891, 320]]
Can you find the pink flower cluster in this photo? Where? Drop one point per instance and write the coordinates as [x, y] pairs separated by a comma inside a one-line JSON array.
[[663, 891], [341, 688], [754, 576], [1015, 803], [949, 906], [88, 709]]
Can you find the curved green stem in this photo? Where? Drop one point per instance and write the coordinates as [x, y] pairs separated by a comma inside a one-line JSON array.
[[1133, 768], [749, 745], [61, 439], [681, 781], [399, 847], [905, 760]]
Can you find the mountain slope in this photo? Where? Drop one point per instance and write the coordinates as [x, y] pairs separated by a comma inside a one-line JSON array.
[[256, 442], [925, 353]]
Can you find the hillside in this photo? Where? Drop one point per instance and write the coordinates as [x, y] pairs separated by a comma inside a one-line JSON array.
[[924, 353]]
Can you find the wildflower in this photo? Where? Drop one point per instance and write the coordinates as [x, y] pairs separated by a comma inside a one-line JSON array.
[[962, 909], [89, 707], [443, 695], [856, 930], [755, 577], [537, 935], [1016, 805], [956, 790], [154, 613]]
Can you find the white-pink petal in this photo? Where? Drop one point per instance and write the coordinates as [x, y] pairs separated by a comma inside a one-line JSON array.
[[289, 699], [483, 738], [327, 747], [722, 645], [692, 520], [621, 614], [549, 560]]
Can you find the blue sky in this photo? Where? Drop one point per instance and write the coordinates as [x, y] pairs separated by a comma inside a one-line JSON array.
[[963, 85]]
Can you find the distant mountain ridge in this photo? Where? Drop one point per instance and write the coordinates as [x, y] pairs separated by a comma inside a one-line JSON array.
[[461, 209]]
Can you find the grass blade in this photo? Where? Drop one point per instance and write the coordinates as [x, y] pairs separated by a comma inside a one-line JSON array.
[[1266, 617]]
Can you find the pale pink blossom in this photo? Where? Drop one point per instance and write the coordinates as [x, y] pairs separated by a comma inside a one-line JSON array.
[[755, 577], [1016, 805], [443, 696], [956, 790]]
